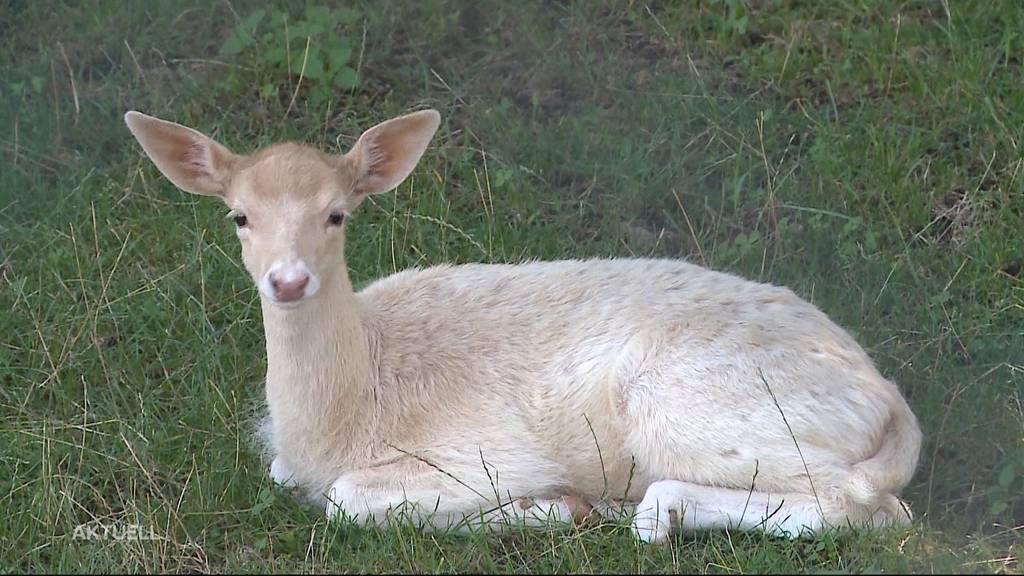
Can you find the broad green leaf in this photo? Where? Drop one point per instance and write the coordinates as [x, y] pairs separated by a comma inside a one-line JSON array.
[[318, 97], [320, 14], [276, 55], [242, 35], [314, 65], [1007, 475], [314, 61], [251, 21], [264, 500], [234, 44], [338, 53], [314, 29], [346, 78]]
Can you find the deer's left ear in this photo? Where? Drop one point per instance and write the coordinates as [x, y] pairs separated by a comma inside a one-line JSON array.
[[386, 154], [191, 160]]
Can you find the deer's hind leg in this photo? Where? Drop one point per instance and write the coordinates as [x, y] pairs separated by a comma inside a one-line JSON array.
[[671, 504]]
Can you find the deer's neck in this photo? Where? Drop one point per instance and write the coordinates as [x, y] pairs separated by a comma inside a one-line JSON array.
[[319, 379]]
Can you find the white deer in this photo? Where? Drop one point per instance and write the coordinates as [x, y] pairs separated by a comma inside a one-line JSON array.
[[496, 393]]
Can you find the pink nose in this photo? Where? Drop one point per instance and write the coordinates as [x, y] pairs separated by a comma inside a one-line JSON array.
[[291, 290]]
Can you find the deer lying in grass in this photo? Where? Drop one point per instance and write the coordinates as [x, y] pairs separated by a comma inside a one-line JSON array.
[[531, 392]]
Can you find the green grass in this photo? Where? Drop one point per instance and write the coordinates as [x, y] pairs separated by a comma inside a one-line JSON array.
[[865, 153]]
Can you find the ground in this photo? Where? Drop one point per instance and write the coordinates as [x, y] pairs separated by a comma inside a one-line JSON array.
[[866, 154]]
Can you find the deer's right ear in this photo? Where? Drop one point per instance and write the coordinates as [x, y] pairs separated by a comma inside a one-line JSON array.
[[192, 161]]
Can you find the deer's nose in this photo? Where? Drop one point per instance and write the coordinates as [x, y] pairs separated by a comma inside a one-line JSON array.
[[289, 288]]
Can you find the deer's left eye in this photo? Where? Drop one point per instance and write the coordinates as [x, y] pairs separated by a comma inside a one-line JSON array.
[[336, 218]]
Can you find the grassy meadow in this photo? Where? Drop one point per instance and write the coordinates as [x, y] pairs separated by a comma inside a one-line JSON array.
[[865, 153]]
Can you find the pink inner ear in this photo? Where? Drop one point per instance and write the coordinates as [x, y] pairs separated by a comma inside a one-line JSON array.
[[197, 160], [379, 167], [375, 158], [383, 163]]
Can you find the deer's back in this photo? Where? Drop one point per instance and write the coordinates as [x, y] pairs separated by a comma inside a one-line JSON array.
[[509, 324]]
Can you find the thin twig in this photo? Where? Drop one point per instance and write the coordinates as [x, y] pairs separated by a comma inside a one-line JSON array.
[[208, 61], [138, 66], [436, 467], [693, 234], [302, 74], [600, 457], [19, 153], [362, 50], [797, 444], [71, 77], [750, 492], [452, 227], [464, 521], [769, 176], [447, 87]]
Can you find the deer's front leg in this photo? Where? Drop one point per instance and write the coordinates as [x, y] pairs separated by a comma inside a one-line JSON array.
[[370, 496]]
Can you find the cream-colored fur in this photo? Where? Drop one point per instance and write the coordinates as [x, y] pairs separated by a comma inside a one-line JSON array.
[[497, 392]]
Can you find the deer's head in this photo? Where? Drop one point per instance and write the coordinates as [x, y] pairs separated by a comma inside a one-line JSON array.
[[289, 202]]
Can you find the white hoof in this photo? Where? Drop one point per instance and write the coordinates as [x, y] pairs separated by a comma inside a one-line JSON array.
[[657, 514], [281, 475], [344, 500], [652, 523]]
